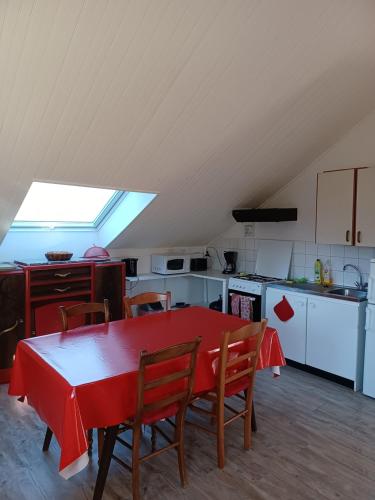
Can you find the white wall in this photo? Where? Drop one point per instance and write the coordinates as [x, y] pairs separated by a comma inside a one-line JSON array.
[[355, 149]]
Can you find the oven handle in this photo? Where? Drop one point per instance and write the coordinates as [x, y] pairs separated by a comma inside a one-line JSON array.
[[241, 294]]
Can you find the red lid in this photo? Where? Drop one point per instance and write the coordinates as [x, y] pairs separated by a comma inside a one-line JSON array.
[[95, 252]]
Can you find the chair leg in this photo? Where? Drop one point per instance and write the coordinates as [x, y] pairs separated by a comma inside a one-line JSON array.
[[105, 460], [179, 437], [135, 461], [47, 439], [90, 440], [100, 442], [153, 438], [220, 436]]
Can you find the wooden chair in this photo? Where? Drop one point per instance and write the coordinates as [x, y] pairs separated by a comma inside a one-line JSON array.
[[236, 375], [66, 313], [83, 310], [173, 402], [146, 298]]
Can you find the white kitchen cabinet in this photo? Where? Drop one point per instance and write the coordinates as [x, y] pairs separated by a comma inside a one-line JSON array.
[[292, 333], [335, 337], [365, 229], [334, 216]]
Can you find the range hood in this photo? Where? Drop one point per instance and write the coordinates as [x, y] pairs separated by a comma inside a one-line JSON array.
[[264, 214]]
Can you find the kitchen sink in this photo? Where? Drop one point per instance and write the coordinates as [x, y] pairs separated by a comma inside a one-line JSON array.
[[349, 292]]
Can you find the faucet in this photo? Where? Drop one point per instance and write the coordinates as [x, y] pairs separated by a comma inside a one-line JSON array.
[[359, 284]]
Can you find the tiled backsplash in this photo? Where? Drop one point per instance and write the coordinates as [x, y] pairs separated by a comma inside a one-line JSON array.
[[304, 256]]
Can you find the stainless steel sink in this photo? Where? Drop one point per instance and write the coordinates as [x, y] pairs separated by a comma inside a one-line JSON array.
[[349, 292]]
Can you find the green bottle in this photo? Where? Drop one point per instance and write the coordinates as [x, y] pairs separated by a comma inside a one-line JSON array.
[[318, 272]]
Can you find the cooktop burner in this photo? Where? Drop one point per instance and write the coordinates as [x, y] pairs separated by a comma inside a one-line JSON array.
[[257, 278]]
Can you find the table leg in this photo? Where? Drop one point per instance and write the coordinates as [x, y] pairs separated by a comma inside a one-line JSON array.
[[105, 460]]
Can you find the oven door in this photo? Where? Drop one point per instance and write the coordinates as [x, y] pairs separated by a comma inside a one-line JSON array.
[[256, 303]]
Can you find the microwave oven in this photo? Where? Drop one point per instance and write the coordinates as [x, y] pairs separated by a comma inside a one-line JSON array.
[[170, 264]]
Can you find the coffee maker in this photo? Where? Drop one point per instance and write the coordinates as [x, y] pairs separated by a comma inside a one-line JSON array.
[[230, 262]]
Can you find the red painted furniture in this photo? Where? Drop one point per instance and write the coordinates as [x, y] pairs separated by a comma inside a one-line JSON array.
[[30, 298], [86, 378]]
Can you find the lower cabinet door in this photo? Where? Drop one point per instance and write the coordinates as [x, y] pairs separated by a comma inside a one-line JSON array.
[[292, 333], [332, 336]]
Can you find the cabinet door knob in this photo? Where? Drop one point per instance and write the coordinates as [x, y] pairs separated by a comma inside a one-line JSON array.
[[359, 236], [10, 329], [312, 305], [62, 290], [347, 237]]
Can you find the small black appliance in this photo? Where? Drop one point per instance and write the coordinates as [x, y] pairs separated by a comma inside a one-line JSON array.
[[131, 266], [230, 262], [198, 264]]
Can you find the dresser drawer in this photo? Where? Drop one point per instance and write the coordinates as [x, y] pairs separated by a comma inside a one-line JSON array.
[[63, 289], [62, 274]]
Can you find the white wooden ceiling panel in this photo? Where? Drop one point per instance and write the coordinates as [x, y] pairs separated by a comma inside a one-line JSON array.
[[211, 104]]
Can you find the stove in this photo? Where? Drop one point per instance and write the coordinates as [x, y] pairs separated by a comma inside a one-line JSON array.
[[254, 286]]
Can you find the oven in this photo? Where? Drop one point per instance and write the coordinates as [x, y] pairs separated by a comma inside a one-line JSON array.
[[256, 301]]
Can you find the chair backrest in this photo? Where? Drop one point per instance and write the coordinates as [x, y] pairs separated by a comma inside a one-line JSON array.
[[83, 309], [239, 361], [173, 378], [146, 298]]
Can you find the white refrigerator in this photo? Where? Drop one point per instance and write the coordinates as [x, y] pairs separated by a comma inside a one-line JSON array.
[[369, 366]]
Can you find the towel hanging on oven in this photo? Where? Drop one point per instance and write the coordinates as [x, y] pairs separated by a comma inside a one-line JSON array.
[[242, 306]]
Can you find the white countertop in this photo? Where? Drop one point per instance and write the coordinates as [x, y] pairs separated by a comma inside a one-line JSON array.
[[212, 275]]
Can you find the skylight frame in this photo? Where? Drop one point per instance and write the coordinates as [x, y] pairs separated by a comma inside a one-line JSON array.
[[105, 212]]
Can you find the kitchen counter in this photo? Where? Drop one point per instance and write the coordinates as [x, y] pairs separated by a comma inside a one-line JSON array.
[[314, 289]]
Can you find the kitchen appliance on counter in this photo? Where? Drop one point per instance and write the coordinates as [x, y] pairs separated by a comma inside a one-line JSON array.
[[170, 264], [230, 262], [198, 264], [131, 266], [369, 365], [272, 265]]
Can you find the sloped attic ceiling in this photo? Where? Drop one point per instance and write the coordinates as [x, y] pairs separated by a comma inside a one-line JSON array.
[[213, 104]]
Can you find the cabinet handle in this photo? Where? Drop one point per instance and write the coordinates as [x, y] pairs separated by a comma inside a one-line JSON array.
[[347, 237], [62, 275], [359, 236], [62, 290], [312, 305], [11, 328]]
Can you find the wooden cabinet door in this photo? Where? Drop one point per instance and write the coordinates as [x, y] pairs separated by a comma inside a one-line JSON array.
[[332, 336], [335, 202], [365, 230], [110, 284], [12, 310], [292, 333]]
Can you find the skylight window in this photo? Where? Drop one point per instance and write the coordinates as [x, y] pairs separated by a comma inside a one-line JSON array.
[[51, 205]]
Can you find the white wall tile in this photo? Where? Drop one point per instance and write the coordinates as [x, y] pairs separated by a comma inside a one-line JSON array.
[[365, 253], [337, 263], [350, 279], [337, 277], [299, 247], [349, 260], [364, 265], [351, 252], [311, 248], [310, 261], [298, 272], [324, 250], [337, 250], [299, 259]]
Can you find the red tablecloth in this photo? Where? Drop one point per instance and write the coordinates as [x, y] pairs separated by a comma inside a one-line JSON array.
[[86, 378]]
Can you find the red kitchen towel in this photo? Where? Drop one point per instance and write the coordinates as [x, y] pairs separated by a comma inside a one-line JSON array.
[[246, 308], [235, 304], [284, 310]]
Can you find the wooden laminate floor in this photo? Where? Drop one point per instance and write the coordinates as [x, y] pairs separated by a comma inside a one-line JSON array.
[[315, 440]]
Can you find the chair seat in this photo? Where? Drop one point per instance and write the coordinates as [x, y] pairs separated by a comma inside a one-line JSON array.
[[154, 416]]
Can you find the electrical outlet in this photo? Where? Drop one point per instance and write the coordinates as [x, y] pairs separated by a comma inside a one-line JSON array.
[[249, 230]]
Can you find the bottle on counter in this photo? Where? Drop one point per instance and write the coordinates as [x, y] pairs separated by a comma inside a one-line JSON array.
[[327, 274], [318, 272]]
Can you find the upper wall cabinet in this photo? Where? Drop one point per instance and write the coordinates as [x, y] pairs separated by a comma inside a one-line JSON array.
[[345, 204], [335, 197], [365, 227]]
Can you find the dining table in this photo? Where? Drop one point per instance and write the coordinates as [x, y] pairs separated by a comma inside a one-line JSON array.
[[86, 378]]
